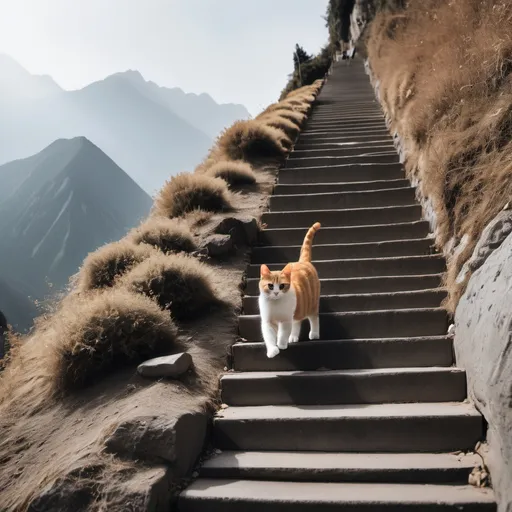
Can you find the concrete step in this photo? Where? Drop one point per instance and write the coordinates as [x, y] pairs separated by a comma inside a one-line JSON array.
[[388, 157], [345, 137], [350, 234], [369, 267], [417, 427], [343, 200], [218, 495], [349, 150], [339, 132], [368, 285], [347, 217], [356, 186], [424, 468], [336, 143], [331, 387], [285, 254], [347, 354], [391, 323], [357, 140], [367, 301], [346, 125], [343, 173]]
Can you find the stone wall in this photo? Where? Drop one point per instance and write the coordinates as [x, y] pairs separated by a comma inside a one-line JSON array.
[[483, 347]]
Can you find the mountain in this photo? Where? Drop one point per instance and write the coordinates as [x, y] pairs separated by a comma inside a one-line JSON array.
[[16, 83], [18, 309], [150, 131], [200, 110], [56, 207]]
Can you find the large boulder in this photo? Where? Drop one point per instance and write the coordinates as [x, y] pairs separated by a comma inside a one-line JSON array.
[[483, 345]]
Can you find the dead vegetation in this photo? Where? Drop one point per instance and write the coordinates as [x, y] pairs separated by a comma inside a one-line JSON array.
[[180, 284], [277, 121], [445, 81], [72, 381], [106, 331], [102, 267], [187, 192], [166, 235], [253, 141], [236, 173]]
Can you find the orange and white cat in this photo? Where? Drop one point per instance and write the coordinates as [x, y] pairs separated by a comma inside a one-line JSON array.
[[289, 296]]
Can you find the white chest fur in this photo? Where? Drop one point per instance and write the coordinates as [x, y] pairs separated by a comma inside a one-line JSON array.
[[280, 309]]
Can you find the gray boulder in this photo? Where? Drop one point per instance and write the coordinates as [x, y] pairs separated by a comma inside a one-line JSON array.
[[166, 366]]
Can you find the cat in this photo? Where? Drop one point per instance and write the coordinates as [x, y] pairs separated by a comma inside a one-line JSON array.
[[289, 296]]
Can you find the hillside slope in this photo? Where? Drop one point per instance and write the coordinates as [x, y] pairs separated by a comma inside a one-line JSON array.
[[63, 203]]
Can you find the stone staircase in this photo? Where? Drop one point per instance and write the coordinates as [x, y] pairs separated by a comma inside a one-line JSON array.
[[373, 416]]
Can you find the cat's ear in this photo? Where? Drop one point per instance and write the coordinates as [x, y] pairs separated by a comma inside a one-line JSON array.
[[287, 271], [265, 271]]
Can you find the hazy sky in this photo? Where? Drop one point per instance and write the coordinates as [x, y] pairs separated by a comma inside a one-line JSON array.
[[236, 50]]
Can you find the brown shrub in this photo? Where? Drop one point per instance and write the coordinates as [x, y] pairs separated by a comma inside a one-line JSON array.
[[295, 117], [187, 192], [444, 71], [101, 268], [166, 235], [254, 141], [178, 283], [235, 173], [277, 121], [114, 328]]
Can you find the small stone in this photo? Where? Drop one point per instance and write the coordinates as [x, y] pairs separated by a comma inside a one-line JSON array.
[[167, 366], [219, 245], [224, 406], [451, 331]]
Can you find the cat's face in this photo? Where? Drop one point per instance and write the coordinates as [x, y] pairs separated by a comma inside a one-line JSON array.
[[274, 285]]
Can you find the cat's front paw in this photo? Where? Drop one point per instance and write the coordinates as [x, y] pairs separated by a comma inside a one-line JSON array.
[[272, 352], [293, 339], [282, 344], [314, 335]]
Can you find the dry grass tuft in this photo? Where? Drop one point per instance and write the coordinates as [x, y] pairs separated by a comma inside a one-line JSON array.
[[178, 283], [108, 331], [277, 121], [187, 192], [236, 173], [297, 118], [445, 80], [166, 235], [101, 268], [254, 141]]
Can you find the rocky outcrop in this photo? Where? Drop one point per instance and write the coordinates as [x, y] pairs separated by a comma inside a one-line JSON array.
[[483, 345]]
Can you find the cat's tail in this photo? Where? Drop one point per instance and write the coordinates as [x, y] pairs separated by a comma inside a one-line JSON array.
[[305, 251]]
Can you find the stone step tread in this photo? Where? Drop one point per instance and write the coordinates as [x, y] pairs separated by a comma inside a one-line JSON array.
[[382, 295], [357, 186], [348, 411], [214, 495], [353, 386], [329, 466], [353, 193], [356, 373], [362, 353]]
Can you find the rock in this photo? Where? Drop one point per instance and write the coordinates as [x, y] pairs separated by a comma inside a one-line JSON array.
[[75, 491], [243, 230], [492, 237], [148, 489], [219, 246], [143, 488], [167, 366], [178, 441], [483, 334]]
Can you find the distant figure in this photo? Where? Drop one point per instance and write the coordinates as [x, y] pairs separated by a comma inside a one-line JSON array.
[[3, 330]]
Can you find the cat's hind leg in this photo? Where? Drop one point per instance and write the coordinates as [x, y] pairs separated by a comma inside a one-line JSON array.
[[283, 335], [294, 336], [314, 333], [269, 332]]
